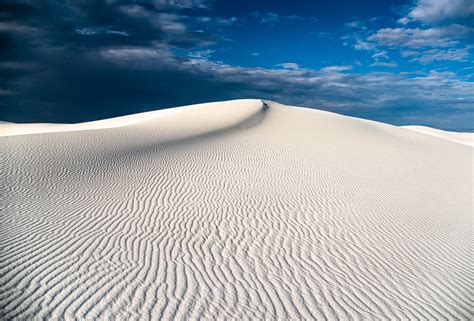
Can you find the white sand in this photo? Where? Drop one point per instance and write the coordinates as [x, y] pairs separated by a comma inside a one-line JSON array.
[[227, 210], [462, 138]]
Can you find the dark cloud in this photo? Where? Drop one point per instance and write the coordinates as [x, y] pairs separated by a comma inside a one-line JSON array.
[[52, 70]]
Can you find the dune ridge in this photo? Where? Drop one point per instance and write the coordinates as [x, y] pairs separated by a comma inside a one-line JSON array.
[[235, 211]]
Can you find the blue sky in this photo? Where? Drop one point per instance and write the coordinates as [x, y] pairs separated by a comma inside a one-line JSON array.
[[401, 62]]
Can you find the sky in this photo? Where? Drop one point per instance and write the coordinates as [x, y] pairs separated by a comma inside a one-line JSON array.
[[401, 62]]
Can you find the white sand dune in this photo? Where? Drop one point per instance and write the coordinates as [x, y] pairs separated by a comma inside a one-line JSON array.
[[234, 211], [462, 138]]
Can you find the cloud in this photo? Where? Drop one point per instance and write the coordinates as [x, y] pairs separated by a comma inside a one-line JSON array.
[[289, 65], [299, 18], [215, 21], [433, 11], [424, 45], [335, 68], [273, 18], [429, 56], [356, 24], [364, 45], [391, 64], [12, 26], [200, 55], [270, 17], [432, 37], [323, 34], [6, 92], [137, 55], [182, 4], [380, 54], [96, 31]]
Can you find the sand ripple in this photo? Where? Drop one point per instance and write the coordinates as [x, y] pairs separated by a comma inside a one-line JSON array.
[[233, 211]]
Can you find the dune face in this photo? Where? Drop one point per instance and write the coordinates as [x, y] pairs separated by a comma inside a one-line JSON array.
[[235, 211]]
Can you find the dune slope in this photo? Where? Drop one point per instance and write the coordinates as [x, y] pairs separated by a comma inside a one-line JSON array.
[[462, 138], [235, 211]]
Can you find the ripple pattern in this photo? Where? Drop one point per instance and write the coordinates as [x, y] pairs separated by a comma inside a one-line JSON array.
[[235, 211]]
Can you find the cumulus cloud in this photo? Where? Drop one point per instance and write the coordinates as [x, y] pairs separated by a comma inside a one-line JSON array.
[[433, 11], [441, 36], [422, 45], [364, 45]]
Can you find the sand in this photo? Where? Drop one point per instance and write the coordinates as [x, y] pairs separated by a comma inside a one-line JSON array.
[[462, 138], [234, 211]]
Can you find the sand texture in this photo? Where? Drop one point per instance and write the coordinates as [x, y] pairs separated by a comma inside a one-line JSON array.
[[463, 138], [234, 211]]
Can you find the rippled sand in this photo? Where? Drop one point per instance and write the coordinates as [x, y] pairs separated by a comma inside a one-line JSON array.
[[233, 210]]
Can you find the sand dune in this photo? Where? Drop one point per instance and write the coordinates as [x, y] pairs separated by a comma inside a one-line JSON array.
[[234, 211], [462, 138]]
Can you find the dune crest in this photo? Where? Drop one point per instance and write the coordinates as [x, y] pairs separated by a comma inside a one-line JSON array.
[[234, 210]]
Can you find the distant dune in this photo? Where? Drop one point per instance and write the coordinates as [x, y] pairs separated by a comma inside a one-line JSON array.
[[463, 138], [234, 210]]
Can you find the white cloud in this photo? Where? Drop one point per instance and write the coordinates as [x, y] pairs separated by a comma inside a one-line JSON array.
[[364, 45], [170, 22], [118, 32], [416, 37], [391, 64], [335, 68], [86, 31], [96, 31], [300, 18], [181, 4], [404, 20], [432, 11], [216, 21], [426, 57], [200, 54], [356, 24], [408, 53], [380, 54], [272, 18], [289, 65], [139, 57]]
